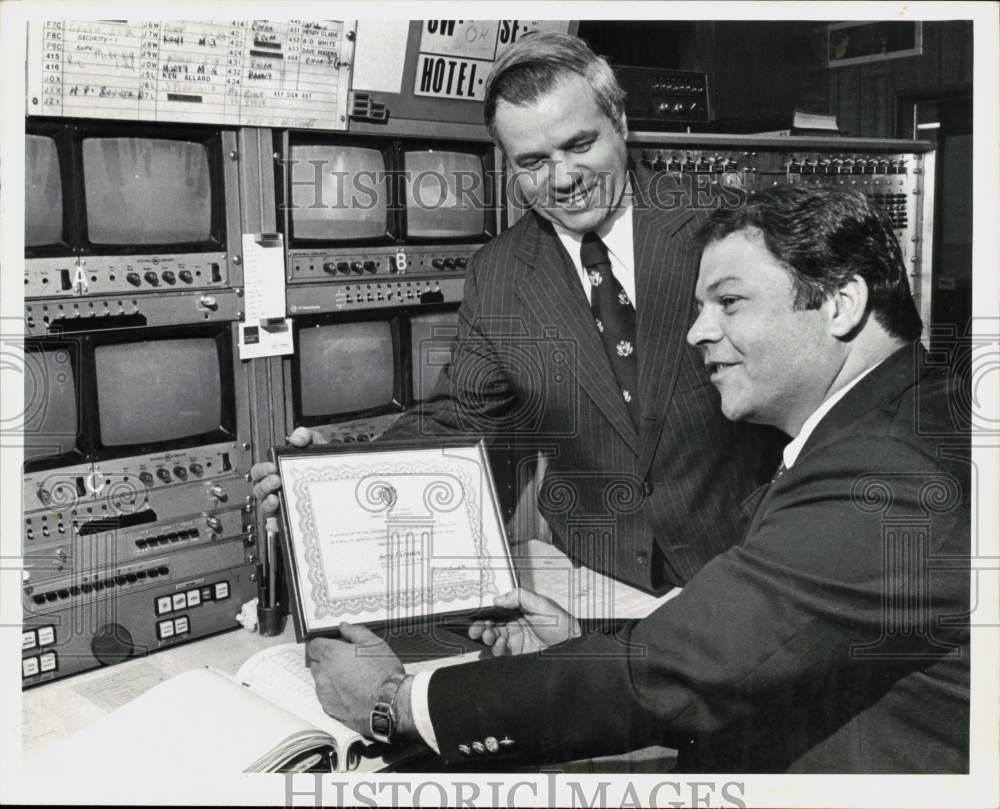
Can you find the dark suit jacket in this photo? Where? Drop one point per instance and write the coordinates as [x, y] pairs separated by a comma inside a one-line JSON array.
[[833, 639], [530, 371]]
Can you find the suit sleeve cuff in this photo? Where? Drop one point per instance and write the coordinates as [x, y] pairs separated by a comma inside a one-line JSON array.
[[420, 709]]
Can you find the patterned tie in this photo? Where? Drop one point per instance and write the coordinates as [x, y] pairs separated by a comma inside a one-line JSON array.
[[614, 317]]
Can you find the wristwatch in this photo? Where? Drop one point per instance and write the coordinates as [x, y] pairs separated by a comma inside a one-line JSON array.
[[383, 717]]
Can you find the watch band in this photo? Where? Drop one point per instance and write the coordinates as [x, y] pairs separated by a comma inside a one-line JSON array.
[[382, 721]]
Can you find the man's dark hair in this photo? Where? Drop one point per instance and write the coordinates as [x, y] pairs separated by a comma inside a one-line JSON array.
[[824, 236], [539, 61]]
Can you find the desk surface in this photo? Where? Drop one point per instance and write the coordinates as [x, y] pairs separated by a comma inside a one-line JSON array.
[[55, 710]]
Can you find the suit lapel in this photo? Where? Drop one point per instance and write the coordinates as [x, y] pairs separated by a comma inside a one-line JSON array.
[[896, 374], [551, 292], [664, 255]]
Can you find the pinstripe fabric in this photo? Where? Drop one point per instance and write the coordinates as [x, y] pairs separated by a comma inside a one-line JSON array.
[[650, 505]]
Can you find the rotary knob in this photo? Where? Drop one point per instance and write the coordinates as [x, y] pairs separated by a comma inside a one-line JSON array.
[[112, 644]]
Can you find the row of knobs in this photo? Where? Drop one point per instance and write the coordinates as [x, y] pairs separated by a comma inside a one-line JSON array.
[[361, 267], [715, 163], [153, 279], [678, 106], [180, 472], [837, 166]]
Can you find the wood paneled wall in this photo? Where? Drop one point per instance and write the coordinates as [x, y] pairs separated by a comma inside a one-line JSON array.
[[864, 96]]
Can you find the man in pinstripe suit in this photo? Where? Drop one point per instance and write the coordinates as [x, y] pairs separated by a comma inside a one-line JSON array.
[[644, 485]]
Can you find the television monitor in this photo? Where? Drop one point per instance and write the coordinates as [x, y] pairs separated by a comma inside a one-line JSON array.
[[51, 405], [339, 192], [346, 369], [143, 190], [431, 337], [448, 193], [168, 388], [43, 192]]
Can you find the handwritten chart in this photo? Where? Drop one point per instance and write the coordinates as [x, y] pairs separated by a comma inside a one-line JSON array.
[[238, 72]]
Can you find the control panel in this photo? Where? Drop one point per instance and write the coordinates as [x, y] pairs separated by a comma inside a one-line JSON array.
[[358, 431], [136, 490], [322, 265], [373, 294], [709, 176], [103, 541], [110, 275], [91, 619], [55, 316], [657, 96]]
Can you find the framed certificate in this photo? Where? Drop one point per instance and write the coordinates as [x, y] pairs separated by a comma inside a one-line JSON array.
[[390, 534]]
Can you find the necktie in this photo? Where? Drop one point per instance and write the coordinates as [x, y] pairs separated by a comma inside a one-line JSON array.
[[614, 317]]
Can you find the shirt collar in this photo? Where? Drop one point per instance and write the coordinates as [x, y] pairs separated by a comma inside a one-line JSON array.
[[792, 449], [615, 232]]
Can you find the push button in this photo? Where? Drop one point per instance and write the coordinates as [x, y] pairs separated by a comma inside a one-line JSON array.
[[47, 662], [163, 605], [46, 635], [28, 640], [180, 601], [165, 629], [221, 590], [181, 625], [29, 667]]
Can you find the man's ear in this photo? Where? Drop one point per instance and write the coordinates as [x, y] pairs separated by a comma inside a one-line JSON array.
[[848, 306]]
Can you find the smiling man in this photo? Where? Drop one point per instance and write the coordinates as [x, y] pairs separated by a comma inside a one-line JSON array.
[[571, 337], [835, 637]]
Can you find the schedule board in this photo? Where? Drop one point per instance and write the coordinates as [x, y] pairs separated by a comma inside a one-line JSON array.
[[239, 72]]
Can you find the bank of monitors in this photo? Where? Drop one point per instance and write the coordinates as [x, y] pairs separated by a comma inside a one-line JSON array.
[[367, 365], [98, 194], [101, 396], [360, 205]]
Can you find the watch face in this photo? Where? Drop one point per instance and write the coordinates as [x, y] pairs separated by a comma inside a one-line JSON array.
[[381, 725]]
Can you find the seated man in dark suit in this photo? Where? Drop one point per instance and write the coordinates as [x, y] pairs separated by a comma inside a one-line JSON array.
[[835, 637], [571, 337]]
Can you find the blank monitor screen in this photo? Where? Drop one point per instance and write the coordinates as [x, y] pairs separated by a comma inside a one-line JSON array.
[[43, 201], [431, 336], [50, 412], [160, 390], [147, 191], [346, 368], [339, 193], [445, 195]]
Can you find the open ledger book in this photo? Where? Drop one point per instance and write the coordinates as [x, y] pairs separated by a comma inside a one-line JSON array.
[[265, 719]]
